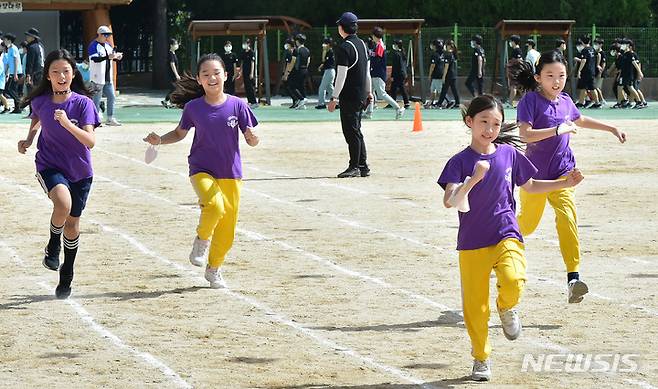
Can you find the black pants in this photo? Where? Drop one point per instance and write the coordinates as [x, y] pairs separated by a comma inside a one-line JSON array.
[[350, 120], [452, 84], [479, 82], [398, 84], [229, 84], [296, 84], [172, 88], [249, 89], [12, 90]]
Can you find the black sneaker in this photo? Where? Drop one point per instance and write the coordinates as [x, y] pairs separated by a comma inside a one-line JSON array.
[[5, 110], [579, 105], [350, 172], [450, 104], [596, 106], [51, 259], [637, 106], [102, 105], [63, 290], [365, 171], [320, 106], [17, 111], [294, 104]]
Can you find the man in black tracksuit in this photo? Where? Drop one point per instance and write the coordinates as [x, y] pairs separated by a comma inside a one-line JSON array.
[[33, 59], [399, 72], [353, 88]]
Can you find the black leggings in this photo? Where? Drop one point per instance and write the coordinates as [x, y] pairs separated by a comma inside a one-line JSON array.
[[249, 90], [479, 82], [398, 84], [452, 84], [296, 84]]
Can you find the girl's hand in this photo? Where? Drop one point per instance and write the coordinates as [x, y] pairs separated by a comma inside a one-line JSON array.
[[60, 116], [23, 145], [153, 139], [250, 137], [480, 170], [567, 127], [619, 134], [574, 178]]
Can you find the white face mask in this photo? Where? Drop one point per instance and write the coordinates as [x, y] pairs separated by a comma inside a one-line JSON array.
[[228, 48], [511, 44], [286, 46], [473, 45], [624, 47], [324, 45], [613, 53], [597, 47], [20, 51], [395, 47], [245, 46], [151, 154], [580, 48]]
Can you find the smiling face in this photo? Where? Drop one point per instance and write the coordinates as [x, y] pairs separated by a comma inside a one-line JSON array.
[[60, 74], [552, 78], [485, 127], [211, 77]]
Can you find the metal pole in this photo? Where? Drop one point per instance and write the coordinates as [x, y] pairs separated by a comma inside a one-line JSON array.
[[503, 62], [421, 66], [278, 45], [266, 71], [571, 56]]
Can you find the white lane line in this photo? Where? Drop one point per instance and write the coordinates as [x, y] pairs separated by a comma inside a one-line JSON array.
[[102, 331], [280, 318]]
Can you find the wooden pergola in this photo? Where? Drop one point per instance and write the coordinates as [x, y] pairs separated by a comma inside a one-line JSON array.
[[254, 27], [507, 28], [281, 22], [402, 27]]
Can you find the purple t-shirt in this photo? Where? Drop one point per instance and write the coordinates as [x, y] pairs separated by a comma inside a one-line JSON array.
[[57, 147], [216, 146], [492, 217], [552, 156]]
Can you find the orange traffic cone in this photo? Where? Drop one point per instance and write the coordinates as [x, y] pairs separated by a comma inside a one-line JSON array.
[[418, 120]]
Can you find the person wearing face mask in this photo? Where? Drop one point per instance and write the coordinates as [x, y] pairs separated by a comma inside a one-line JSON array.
[[328, 69], [231, 63], [435, 72], [300, 63], [514, 57], [477, 67], [172, 71], [14, 71], [399, 72], [560, 45], [532, 55], [378, 74], [248, 73], [631, 72], [102, 58], [585, 72], [289, 68], [615, 71], [3, 78], [600, 68]]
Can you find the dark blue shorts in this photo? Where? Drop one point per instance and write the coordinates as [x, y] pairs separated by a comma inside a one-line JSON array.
[[49, 178]]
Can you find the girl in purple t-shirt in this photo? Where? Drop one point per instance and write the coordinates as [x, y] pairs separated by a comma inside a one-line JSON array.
[[214, 160], [546, 117], [67, 117], [480, 182]]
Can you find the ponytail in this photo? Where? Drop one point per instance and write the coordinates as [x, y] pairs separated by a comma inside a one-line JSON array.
[[188, 88]]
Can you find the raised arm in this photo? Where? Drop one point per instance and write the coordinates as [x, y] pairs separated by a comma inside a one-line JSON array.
[[24, 144], [588, 122]]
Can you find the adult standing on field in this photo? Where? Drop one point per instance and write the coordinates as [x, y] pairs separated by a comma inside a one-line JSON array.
[[101, 67], [353, 89]]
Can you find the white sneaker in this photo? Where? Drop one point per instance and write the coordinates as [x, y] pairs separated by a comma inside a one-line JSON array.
[[481, 370], [301, 105], [112, 122], [199, 253], [511, 324], [577, 289], [215, 278], [399, 113]]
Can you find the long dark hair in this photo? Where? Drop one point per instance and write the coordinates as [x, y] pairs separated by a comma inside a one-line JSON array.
[[487, 102], [521, 71], [188, 88], [46, 87]]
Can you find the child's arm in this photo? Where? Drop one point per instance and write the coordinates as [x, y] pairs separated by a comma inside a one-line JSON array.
[[573, 178], [640, 75], [532, 135], [594, 124], [481, 168], [23, 145], [480, 65], [251, 137], [445, 72], [431, 71], [84, 135], [173, 136]]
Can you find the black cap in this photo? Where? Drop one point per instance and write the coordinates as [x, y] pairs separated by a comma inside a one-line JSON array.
[[347, 19], [33, 32], [10, 36]]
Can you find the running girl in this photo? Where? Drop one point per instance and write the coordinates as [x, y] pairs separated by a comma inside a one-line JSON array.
[[546, 116], [214, 160], [67, 116], [480, 181]]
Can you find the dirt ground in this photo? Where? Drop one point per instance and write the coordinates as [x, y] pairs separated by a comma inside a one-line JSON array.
[[333, 283]]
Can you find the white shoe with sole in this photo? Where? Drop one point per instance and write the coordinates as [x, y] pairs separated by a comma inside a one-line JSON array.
[[199, 253], [577, 290], [214, 276], [511, 324], [112, 122], [481, 370], [399, 113]]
